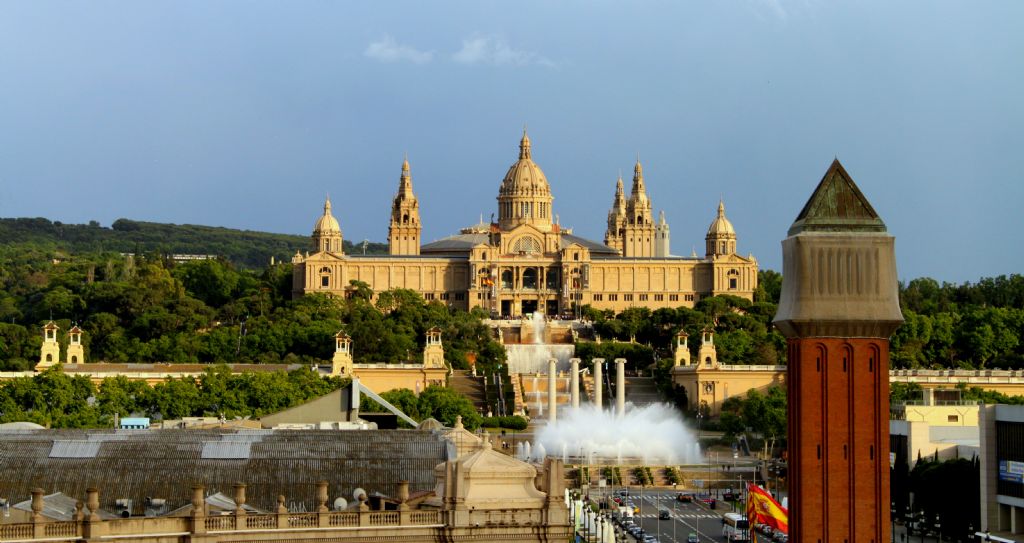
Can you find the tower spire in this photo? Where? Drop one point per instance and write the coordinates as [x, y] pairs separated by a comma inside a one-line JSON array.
[[524, 145]]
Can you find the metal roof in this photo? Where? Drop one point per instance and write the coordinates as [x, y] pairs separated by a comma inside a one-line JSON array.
[[135, 464]]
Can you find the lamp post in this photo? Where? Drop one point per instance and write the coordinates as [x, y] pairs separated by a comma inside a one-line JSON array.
[[892, 518], [938, 526]]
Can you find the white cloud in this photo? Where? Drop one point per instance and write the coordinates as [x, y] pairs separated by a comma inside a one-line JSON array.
[[388, 50], [481, 49]]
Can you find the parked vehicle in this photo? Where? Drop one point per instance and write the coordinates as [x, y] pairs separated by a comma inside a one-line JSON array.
[[685, 497], [692, 538]]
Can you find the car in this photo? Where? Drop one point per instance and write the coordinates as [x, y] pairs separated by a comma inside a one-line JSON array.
[[650, 539], [664, 514], [685, 497], [729, 496], [623, 492], [692, 538]]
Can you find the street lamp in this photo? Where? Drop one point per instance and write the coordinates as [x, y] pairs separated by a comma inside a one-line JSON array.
[[892, 518], [938, 527]]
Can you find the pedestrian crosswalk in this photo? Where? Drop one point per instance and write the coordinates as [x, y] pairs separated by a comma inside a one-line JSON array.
[[681, 515]]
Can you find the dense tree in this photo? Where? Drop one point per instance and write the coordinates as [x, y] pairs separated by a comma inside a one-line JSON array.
[[53, 398]]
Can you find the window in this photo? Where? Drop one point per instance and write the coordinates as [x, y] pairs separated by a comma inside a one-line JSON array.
[[460, 296], [643, 297], [530, 278], [689, 297], [953, 418], [627, 297], [428, 296], [506, 279], [659, 297], [673, 297], [598, 297], [613, 297], [444, 295], [732, 283], [526, 245], [325, 281]]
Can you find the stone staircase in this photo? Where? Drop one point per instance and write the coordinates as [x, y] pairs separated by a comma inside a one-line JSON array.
[[465, 383], [641, 391]]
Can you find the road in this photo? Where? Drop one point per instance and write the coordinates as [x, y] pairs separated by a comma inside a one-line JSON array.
[[686, 518]]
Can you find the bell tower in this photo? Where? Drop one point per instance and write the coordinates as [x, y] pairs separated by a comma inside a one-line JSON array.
[[839, 306], [433, 352], [707, 355], [682, 351], [639, 239], [615, 233], [76, 351], [49, 352], [341, 363], [404, 230]]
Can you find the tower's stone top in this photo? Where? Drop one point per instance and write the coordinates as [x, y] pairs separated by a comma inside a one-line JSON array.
[[839, 266], [837, 205]]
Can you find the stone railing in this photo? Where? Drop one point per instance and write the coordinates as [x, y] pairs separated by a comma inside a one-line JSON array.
[[230, 523], [506, 517], [16, 531]]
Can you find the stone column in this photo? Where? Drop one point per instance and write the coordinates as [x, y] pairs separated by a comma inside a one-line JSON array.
[[37, 513], [93, 527], [323, 513], [574, 382], [620, 387], [198, 509], [598, 387], [552, 391], [239, 506]]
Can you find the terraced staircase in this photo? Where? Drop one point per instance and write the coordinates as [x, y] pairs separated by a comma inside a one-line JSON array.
[[465, 383]]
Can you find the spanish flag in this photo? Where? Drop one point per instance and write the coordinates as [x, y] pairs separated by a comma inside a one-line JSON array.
[[763, 509]]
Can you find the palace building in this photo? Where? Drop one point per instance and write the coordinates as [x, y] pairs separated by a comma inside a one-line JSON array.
[[526, 261]]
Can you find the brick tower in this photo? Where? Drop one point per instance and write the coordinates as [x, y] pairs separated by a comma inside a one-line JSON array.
[[838, 307]]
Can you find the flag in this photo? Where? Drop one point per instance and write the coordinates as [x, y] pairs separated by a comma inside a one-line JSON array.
[[763, 509]]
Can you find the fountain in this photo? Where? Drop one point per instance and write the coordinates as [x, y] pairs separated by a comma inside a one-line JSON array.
[[531, 358], [651, 434]]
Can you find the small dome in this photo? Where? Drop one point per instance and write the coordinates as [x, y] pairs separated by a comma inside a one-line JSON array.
[[721, 226], [327, 223], [430, 424], [524, 177]]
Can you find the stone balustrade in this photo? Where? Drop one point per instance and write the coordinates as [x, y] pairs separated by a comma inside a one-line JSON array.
[[280, 526]]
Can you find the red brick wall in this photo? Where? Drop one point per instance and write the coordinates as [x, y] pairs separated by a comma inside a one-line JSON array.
[[838, 434]]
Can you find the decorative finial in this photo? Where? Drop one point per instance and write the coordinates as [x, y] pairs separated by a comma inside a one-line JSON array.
[[524, 145], [721, 208], [405, 162]]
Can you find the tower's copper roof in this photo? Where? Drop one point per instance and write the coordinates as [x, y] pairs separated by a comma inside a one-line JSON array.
[[837, 205]]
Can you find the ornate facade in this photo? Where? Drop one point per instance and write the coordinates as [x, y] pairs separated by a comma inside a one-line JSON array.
[[526, 261]]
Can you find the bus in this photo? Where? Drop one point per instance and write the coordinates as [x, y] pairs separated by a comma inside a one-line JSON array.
[[735, 528]]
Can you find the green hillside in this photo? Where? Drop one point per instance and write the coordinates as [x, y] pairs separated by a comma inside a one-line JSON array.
[[244, 248]]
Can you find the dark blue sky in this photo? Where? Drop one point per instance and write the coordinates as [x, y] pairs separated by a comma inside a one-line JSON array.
[[245, 114]]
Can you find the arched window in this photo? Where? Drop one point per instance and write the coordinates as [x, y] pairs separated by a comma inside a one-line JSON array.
[[530, 278], [74, 359], [49, 358], [552, 279], [526, 245], [506, 279]]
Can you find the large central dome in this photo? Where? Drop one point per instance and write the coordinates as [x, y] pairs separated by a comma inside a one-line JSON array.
[[524, 197]]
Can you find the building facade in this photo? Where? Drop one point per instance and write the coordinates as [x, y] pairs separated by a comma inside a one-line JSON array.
[[526, 262]]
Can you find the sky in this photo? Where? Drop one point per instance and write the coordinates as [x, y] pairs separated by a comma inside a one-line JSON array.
[[246, 114]]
